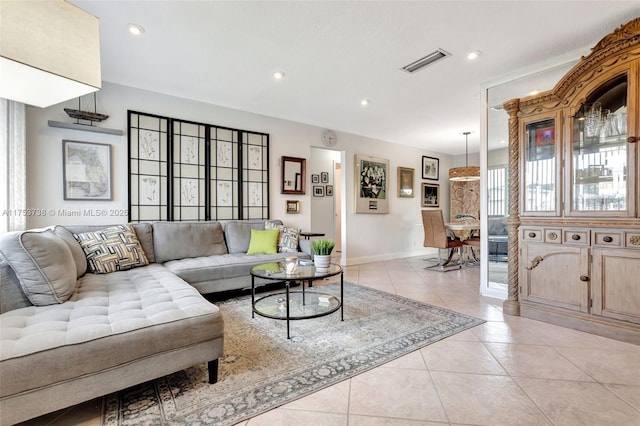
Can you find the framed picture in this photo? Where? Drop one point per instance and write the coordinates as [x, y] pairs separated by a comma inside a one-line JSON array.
[[293, 175], [430, 168], [318, 191], [371, 182], [293, 206], [430, 195], [328, 190], [545, 136], [86, 170], [405, 182], [315, 178], [324, 177]]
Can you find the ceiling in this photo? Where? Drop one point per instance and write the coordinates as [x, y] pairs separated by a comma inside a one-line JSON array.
[[335, 54]]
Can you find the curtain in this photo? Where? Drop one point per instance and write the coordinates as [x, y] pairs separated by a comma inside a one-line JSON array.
[[13, 173]]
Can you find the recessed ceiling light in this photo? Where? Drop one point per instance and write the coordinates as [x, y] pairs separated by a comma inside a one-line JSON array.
[[534, 92], [365, 102], [278, 75], [136, 29], [473, 55]]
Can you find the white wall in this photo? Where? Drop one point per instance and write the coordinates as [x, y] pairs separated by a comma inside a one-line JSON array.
[[370, 237]]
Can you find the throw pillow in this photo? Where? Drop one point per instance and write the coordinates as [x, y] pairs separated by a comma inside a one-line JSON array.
[[112, 249], [289, 237], [43, 263], [263, 242]]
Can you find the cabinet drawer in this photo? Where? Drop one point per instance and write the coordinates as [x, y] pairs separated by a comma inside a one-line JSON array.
[[532, 234], [576, 237], [632, 239], [552, 235], [608, 238]]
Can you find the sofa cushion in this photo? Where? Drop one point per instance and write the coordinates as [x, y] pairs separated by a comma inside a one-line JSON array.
[[109, 321], [112, 249], [288, 238], [263, 242], [43, 264], [177, 240], [211, 268], [238, 236], [76, 250]]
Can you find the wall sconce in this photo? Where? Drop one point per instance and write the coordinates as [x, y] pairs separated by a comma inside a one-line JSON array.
[[49, 52]]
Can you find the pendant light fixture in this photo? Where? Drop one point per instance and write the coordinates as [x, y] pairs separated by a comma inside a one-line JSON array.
[[466, 173]]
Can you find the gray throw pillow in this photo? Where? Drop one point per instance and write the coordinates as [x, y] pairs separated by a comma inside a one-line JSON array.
[[78, 254], [43, 264]]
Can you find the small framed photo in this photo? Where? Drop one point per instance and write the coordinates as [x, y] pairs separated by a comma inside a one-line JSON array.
[[324, 177], [328, 190], [430, 195], [318, 191], [293, 206], [86, 171], [315, 178], [430, 168], [405, 182]]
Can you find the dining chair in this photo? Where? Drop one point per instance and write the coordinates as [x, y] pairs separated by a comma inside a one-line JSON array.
[[471, 247], [436, 235]]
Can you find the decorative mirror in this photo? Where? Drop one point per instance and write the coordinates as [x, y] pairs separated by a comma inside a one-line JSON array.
[[293, 175]]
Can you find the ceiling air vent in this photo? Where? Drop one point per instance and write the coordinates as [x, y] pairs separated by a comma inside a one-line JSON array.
[[427, 60]]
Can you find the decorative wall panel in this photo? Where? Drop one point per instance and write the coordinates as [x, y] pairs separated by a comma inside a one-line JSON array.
[[182, 170]]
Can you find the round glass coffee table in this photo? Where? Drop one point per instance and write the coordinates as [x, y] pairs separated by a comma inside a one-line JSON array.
[[299, 304]]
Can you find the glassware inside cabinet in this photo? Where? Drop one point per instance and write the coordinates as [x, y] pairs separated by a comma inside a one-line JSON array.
[[540, 167], [599, 160]]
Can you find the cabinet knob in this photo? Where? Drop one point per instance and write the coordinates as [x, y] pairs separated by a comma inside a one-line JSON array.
[[575, 237], [607, 239], [532, 234], [632, 139], [584, 278]]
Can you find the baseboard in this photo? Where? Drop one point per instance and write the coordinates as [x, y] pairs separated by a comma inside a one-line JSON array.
[[390, 256]]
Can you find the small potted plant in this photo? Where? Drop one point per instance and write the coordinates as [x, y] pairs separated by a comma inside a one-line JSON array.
[[321, 250]]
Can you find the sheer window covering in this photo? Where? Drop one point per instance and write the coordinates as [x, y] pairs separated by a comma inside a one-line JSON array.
[[13, 171]]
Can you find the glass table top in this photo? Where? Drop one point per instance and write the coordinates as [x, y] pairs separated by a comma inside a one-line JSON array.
[[278, 271]]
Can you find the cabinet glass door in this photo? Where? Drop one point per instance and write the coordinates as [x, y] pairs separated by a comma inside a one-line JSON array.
[[599, 152], [540, 189]]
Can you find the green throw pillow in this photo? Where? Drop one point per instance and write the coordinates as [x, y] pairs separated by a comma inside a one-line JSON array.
[[263, 242]]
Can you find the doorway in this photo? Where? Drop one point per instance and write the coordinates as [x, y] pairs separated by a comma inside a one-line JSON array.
[[326, 172]]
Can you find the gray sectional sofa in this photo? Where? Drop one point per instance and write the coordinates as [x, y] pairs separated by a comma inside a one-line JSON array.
[[77, 323]]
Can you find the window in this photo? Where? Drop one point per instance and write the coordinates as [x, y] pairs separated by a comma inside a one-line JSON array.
[[497, 191]]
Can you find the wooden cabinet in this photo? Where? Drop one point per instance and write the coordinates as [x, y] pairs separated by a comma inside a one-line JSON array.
[[616, 292], [554, 275], [577, 223]]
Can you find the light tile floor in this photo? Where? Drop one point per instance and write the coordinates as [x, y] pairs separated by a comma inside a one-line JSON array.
[[507, 371]]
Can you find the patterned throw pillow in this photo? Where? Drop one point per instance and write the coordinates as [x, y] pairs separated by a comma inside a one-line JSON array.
[[112, 249], [288, 240]]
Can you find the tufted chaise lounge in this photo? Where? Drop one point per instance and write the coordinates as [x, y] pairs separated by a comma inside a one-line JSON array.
[[115, 329]]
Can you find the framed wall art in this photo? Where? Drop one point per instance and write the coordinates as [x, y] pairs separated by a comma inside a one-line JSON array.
[[430, 168], [324, 177], [318, 191], [315, 178], [86, 171], [405, 182], [293, 206], [371, 182], [328, 190], [430, 195]]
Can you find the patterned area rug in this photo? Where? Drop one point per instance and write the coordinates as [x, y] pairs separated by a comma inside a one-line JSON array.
[[262, 370]]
